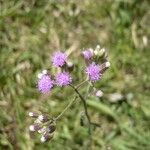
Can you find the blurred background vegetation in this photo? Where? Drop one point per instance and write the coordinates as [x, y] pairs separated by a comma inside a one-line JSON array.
[[30, 30]]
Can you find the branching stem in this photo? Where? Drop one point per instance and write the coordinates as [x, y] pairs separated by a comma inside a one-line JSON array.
[[79, 85], [66, 108], [85, 108]]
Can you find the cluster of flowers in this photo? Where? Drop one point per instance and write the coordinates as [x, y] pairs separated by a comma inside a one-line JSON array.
[[43, 125], [93, 70], [59, 59], [46, 83]]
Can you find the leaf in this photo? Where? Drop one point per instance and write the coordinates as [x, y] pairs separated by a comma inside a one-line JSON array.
[[102, 108]]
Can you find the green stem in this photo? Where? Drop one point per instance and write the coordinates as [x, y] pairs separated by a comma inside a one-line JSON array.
[[79, 85], [85, 106], [66, 108]]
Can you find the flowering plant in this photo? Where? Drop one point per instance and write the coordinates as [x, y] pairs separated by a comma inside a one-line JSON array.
[[94, 71]]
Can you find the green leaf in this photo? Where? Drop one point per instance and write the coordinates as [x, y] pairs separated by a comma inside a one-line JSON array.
[[103, 109]]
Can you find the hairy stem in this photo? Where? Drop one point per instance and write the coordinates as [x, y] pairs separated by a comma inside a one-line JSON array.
[[79, 85], [66, 108], [85, 106]]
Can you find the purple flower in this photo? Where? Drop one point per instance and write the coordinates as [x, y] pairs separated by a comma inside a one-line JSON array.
[[59, 59], [88, 54], [45, 83], [94, 72], [63, 79]]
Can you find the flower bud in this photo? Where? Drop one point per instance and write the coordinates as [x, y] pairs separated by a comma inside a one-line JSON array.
[[37, 121], [33, 114], [42, 130], [70, 66], [105, 66], [40, 75], [99, 93], [99, 52], [46, 137], [43, 118], [97, 47], [88, 54], [34, 127], [51, 128], [44, 72]]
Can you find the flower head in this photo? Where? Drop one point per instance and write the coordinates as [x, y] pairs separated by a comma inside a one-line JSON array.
[[88, 54], [94, 72], [45, 83], [59, 59], [63, 79]]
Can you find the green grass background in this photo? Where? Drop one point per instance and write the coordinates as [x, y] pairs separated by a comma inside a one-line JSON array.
[[30, 30]]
